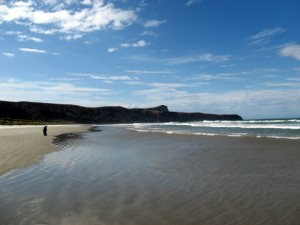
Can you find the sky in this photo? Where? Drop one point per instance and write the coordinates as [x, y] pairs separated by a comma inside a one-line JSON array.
[[212, 56]]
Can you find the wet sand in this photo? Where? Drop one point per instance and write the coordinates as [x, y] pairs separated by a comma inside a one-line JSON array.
[[21, 146], [125, 177]]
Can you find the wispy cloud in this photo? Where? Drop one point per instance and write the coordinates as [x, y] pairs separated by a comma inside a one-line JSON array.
[[271, 103], [137, 72], [297, 69], [110, 50], [291, 84], [112, 78], [264, 36], [72, 36], [207, 57], [149, 33], [141, 58], [171, 86], [11, 32], [23, 38], [125, 45], [105, 78], [138, 44], [59, 17], [231, 77], [9, 54], [32, 50], [17, 90], [191, 2], [266, 70], [291, 50], [154, 23]]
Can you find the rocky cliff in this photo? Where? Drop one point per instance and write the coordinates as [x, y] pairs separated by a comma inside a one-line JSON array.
[[109, 114]]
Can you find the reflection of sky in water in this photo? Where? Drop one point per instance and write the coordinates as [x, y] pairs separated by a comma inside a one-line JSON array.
[[109, 179], [55, 186]]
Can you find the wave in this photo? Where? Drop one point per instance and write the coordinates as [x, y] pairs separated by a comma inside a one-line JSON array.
[[214, 134], [279, 128], [287, 124]]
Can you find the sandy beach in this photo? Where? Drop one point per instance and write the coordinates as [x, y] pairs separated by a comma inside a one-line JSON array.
[[21, 146], [118, 176]]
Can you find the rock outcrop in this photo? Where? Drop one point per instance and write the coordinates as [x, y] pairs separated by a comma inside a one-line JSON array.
[[109, 114]]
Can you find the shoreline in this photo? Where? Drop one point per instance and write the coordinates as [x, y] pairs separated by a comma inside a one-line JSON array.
[[22, 146], [25, 145]]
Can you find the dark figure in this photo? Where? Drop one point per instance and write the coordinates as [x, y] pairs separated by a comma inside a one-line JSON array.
[[45, 130]]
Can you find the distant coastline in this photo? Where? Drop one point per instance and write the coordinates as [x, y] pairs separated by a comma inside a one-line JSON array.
[[17, 113]]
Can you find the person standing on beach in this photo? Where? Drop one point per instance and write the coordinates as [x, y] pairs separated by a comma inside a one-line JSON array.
[[45, 130]]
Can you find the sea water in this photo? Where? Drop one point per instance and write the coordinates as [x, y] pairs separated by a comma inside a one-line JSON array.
[[270, 128]]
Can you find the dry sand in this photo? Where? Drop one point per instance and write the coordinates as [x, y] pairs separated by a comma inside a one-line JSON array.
[[21, 146]]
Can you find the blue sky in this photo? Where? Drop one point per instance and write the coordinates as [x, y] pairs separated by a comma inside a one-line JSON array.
[[211, 56]]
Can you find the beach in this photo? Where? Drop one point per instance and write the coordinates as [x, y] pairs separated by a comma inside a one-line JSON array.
[[22, 146], [119, 176]]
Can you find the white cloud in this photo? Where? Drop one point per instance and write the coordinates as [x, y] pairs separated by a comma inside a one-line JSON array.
[[8, 54], [70, 88], [72, 36], [32, 50], [191, 2], [154, 23], [87, 2], [263, 36], [232, 77], [141, 58], [15, 90], [110, 50], [91, 41], [50, 2], [149, 33], [271, 103], [112, 78], [24, 37], [171, 86], [206, 57], [10, 32], [39, 30], [140, 43], [125, 45], [41, 17], [94, 16], [15, 11], [291, 50], [66, 79], [150, 72]]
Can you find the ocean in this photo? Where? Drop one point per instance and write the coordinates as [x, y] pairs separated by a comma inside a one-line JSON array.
[[268, 128]]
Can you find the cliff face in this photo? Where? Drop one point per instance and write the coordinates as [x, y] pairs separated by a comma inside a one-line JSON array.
[[109, 114]]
